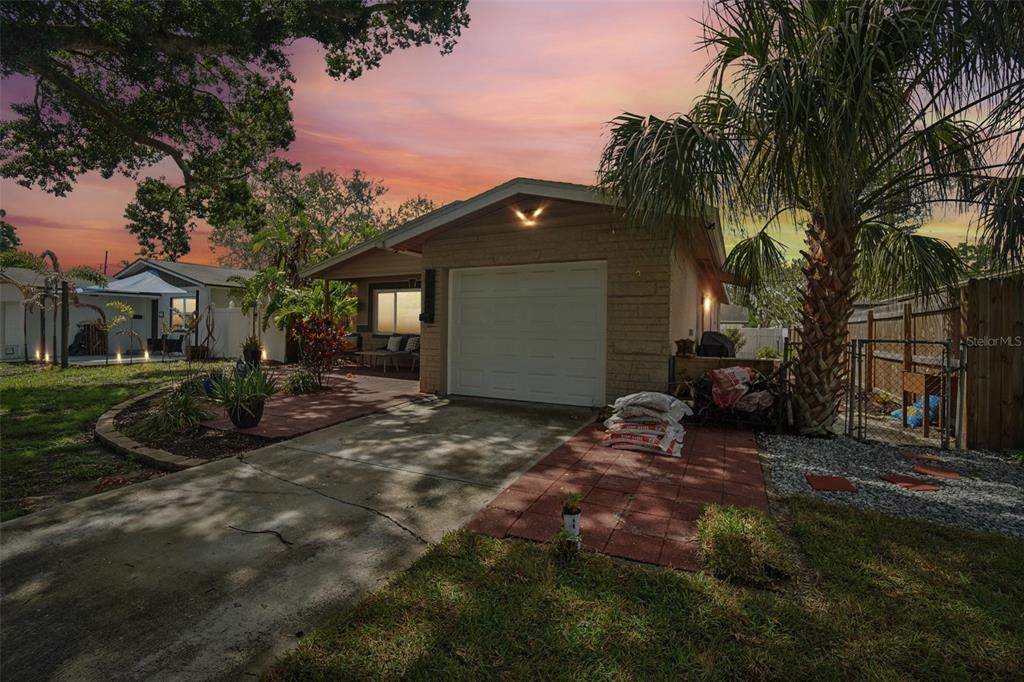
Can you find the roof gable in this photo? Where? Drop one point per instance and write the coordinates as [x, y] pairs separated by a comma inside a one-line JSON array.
[[193, 273], [405, 235]]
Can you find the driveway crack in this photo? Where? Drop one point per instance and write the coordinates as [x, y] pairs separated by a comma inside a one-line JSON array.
[[349, 503]]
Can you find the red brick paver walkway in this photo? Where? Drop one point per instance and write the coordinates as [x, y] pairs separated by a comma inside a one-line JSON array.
[[348, 397], [636, 506]]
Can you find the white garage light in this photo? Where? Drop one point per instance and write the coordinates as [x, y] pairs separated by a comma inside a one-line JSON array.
[[530, 219]]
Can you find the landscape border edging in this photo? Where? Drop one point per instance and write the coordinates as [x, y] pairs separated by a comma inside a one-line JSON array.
[[109, 436]]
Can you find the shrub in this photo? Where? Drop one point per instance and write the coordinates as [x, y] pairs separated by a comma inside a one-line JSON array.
[[179, 411], [242, 392], [767, 353], [251, 344], [320, 340], [738, 340], [743, 545], [300, 381]]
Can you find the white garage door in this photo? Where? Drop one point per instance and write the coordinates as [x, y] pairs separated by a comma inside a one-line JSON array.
[[533, 333]]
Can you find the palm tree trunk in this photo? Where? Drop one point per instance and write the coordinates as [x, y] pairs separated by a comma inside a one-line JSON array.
[[826, 305]]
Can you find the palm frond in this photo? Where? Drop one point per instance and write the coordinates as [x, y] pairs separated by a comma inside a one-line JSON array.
[[896, 260], [757, 263], [658, 170]]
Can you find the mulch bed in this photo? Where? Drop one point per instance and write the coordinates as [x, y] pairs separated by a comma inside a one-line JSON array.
[[205, 443]]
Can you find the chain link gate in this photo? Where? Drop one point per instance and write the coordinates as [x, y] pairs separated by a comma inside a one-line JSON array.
[[904, 392]]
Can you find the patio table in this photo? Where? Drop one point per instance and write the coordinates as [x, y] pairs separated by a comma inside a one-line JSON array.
[[372, 355]]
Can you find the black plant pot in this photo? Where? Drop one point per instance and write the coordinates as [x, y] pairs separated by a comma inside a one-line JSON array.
[[251, 357], [243, 420]]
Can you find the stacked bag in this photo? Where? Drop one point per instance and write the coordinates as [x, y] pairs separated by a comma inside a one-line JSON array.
[[647, 422]]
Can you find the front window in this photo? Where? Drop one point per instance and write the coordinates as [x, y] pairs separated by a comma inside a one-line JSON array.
[[396, 311], [181, 308]]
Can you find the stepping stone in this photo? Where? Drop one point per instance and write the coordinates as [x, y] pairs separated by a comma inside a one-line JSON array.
[[922, 456], [938, 472], [910, 483], [830, 483]]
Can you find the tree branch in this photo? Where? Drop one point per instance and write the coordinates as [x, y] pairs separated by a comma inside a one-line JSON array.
[[47, 69]]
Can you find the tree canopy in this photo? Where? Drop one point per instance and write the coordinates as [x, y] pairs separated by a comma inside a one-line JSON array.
[[121, 85], [8, 234], [306, 218]]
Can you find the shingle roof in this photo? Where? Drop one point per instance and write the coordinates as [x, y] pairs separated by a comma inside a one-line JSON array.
[[34, 278], [209, 275]]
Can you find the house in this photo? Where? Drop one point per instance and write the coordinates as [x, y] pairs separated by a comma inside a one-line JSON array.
[[732, 316], [32, 335], [536, 290], [210, 289], [193, 287]]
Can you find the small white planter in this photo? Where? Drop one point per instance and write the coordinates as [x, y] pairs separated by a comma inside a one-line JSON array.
[[571, 522]]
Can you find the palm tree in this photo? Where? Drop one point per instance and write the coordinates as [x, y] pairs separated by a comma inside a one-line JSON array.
[[858, 118]]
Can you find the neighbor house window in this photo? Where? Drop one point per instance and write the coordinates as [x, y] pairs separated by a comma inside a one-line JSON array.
[[396, 311], [180, 309]]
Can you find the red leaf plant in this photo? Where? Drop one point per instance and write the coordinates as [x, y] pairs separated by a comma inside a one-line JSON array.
[[320, 343]]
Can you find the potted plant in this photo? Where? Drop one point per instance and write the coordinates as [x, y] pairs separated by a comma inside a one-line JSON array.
[[243, 395], [251, 351], [571, 513]]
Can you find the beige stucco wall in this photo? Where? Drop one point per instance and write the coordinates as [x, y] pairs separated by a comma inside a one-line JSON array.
[[639, 278], [685, 295]]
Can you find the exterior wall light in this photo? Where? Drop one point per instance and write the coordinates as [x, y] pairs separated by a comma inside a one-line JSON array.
[[529, 220]]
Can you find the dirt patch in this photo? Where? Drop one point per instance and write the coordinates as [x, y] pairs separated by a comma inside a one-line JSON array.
[[205, 443]]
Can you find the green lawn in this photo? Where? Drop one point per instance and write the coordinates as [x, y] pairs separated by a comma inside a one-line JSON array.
[[876, 598], [47, 452]]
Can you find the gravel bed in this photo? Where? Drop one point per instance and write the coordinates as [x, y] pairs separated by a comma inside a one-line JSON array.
[[988, 497]]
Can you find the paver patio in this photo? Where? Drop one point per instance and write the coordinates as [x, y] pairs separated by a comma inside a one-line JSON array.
[[352, 394], [636, 506]]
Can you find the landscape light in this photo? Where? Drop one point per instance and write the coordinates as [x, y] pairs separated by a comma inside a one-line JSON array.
[[39, 355], [145, 355], [118, 356], [263, 354]]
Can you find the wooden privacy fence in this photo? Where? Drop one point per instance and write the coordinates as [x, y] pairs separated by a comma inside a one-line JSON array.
[[984, 323]]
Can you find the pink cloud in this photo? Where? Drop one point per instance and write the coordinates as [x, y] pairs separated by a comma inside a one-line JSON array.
[[527, 92]]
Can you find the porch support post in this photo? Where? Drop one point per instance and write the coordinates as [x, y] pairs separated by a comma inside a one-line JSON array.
[[869, 369], [64, 324]]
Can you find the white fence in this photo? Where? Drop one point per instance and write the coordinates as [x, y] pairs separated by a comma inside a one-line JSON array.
[[758, 337], [231, 328]]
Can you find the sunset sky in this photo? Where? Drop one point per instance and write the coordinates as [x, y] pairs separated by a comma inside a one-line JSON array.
[[527, 92]]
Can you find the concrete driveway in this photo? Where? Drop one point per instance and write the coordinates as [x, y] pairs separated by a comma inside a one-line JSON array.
[[174, 578]]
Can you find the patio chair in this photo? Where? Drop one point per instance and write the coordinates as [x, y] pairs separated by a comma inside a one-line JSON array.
[[399, 347]]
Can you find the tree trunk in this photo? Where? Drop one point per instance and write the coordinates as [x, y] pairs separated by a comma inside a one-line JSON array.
[[826, 304]]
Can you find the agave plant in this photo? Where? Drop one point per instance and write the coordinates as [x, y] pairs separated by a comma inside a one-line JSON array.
[[243, 394], [857, 119]]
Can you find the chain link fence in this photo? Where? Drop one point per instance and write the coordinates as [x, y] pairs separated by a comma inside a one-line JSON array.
[[898, 392], [903, 392]]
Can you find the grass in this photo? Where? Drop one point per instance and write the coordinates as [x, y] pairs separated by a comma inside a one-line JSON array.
[[874, 598], [47, 416], [743, 545]]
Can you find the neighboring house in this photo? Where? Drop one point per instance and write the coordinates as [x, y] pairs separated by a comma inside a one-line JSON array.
[[732, 316], [201, 286], [13, 340], [536, 290], [206, 286]]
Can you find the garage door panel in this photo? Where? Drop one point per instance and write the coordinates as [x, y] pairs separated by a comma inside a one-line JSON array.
[[529, 333]]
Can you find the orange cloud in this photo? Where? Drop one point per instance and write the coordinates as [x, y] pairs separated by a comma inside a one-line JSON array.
[[527, 92]]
